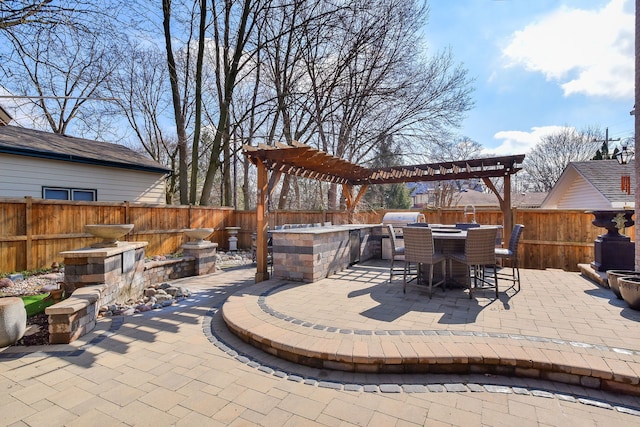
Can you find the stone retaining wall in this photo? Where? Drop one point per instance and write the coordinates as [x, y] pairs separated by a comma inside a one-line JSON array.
[[170, 269], [126, 274], [76, 315]]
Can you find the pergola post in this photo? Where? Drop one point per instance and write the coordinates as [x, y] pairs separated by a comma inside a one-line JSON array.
[[262, 224], [507, 213], [505, 205], [348, 200]]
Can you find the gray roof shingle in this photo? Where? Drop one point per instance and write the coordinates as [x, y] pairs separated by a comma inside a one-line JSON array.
[[28, 142], [605, 175]]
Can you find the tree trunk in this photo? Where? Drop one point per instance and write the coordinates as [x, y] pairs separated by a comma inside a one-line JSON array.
[[177, 102], [226, 171], [198, 118]]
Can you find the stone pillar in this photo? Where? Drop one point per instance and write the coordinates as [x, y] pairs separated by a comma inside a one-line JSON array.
[[122, 265], [204, 253]]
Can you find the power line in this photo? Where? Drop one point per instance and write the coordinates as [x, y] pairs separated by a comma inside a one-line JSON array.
[[57, 97]]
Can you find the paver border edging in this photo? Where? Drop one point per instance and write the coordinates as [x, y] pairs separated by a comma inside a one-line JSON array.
[[495, 386], [494, 360]]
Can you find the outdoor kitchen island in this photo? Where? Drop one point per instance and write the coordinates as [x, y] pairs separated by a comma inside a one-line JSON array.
[[310, 253]]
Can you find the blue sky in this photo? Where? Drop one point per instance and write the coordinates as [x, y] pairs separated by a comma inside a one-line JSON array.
[[539, 65]]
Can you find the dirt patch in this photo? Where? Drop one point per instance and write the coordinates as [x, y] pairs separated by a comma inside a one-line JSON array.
[[37, 331]]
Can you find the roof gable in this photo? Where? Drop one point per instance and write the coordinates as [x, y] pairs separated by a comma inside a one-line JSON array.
[[599, 177], [34, 143], [605, 176]]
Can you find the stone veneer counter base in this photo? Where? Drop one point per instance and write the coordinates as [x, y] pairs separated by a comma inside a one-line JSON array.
[[309, 254]]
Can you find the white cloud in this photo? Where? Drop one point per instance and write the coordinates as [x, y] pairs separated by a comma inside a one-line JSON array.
[[588, 52], [520, 142]]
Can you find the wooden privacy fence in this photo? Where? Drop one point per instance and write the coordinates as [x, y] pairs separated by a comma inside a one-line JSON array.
[[33, 232]]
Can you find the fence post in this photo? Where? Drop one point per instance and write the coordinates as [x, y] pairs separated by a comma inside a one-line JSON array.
[[28, 247], [127, 220]]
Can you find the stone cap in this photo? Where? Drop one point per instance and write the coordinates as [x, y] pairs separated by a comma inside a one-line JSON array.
[[103, 252], [199, 245], [81, 298]]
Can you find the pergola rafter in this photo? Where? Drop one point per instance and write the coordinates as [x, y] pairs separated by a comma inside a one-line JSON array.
[[307, 162]]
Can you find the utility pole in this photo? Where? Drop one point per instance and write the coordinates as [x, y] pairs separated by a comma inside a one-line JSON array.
[[604, 151]]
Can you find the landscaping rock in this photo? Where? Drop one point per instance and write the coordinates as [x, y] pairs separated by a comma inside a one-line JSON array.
[[153, 298], [5, 282], [49, 288], [163, 297]]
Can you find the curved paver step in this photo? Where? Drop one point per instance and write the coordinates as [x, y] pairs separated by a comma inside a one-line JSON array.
[[272, 317]]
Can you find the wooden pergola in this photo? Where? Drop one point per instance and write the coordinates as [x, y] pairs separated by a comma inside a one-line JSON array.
[[307, 162]]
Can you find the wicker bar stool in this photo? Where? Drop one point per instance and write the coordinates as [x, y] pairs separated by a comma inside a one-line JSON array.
[[419, 250], [397, 252], [511, 253], [479, 252]]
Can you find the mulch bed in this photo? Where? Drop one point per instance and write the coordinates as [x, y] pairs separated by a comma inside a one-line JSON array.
[[41, 336]]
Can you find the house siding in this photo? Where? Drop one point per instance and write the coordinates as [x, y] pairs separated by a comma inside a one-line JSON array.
[[22, 176], [581, 195]]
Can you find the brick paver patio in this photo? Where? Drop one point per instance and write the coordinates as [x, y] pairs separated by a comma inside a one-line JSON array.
[[182, 366]]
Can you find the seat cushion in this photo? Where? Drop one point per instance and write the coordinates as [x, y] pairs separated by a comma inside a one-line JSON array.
[[504, 252], [438, 257], [458, 256]]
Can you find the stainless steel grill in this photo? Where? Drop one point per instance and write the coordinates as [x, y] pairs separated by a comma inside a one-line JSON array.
[[399, 220]]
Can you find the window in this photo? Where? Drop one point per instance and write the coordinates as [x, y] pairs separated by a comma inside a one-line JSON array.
[[79, 194], [84, 195]]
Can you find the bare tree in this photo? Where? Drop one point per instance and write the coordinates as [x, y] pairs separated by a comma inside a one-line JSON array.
[[342, 77], [179, 102], [445, 193], [453, 149], [139, 86], [41, 13], [198, 101], [547, 160], [234, 26], [292, 28], [369, 80], [61, 70]]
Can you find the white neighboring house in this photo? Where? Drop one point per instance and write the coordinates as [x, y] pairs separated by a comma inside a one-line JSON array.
[[592, 185], [52, 166]]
